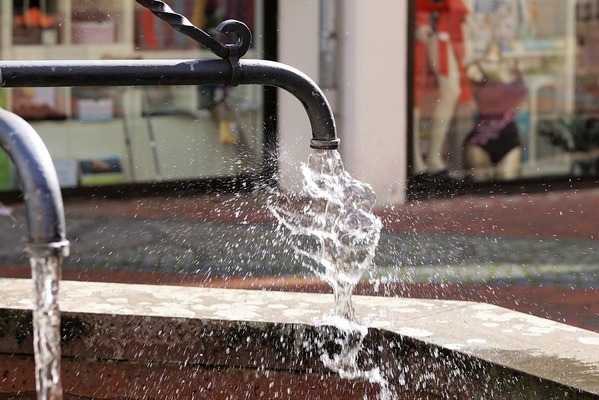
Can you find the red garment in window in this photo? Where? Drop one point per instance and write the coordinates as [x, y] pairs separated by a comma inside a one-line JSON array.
[[148, 29], [432, 5], [448, 30]]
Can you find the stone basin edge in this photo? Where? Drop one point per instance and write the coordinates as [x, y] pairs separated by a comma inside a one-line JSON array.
[[500, 343]]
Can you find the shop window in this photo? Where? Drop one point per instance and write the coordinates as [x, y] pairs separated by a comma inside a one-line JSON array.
[[504, 90], [129, 135]]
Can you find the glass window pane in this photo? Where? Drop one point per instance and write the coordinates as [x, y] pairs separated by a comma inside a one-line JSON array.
[[504, 90], [114, 135]]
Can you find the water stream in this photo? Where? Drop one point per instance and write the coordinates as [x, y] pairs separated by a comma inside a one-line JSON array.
[[337, 218], [338, 238], [46, 326]]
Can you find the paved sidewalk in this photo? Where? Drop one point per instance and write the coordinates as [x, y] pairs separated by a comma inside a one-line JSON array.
[[536, 253], [463, 240]]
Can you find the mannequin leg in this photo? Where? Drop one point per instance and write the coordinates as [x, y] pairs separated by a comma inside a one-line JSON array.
[[477, 163], [417, 162], [449, 92], [509, 166]]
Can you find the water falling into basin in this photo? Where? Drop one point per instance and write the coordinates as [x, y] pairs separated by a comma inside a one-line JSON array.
[[46, 326], [339, 235], [338, 216]]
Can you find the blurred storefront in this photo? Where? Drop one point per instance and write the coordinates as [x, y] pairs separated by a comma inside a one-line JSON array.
[[499, 95], [504, 91]]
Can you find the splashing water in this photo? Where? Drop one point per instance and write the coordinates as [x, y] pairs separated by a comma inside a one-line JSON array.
[[46, 326], [350, 340], [338, 217]]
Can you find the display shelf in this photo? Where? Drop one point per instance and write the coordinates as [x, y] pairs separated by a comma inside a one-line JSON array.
[[22, 38], [71, 51], [103, 29], [53, 22], [76, 30]]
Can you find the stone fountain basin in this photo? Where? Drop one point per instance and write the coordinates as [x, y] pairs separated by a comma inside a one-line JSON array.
[[165, 342]]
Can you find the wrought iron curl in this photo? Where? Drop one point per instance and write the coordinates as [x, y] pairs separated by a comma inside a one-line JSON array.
[[180, 23]]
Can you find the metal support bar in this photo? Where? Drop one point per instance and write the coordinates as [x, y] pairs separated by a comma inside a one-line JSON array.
[[230, 71], [179, 72]]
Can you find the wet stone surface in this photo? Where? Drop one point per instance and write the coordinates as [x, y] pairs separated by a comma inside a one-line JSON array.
[[420, 345]]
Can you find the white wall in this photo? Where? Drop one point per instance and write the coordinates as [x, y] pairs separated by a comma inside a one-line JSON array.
[[298, 47], [371, 110], [373, 95]]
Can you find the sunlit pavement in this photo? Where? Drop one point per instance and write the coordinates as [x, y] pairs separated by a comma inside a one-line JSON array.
[[535, 253]]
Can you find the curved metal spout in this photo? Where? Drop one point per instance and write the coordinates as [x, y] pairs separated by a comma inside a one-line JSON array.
[[41, 190], [180, 72], [322, 121]]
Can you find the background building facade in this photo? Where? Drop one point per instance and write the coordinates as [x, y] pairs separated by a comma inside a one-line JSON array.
[[430, 96]]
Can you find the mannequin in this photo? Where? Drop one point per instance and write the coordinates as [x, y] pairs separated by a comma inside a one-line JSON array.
[[493, 149], [440, 47]]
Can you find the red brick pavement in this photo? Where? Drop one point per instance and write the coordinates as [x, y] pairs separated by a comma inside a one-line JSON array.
[[572, 214]]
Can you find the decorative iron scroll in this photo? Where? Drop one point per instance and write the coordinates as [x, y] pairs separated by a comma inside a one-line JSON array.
[[183, 25]]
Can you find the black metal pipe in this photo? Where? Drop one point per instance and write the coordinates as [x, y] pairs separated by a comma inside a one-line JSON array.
[[179, 72], [270, 73], [58, 73], [41, 190]]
